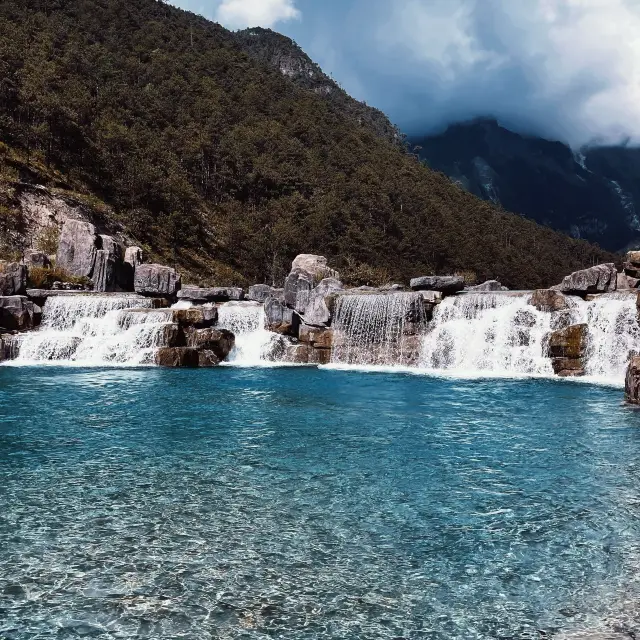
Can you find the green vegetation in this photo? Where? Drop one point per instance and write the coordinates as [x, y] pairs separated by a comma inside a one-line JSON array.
[[218, 163], [43, 277]]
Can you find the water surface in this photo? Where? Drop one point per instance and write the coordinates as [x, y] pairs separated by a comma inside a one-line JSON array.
[[305, 503]]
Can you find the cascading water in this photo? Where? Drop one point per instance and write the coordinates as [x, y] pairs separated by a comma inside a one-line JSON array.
[[378, 329], [94, 331], [613, 335], [487, 333], [255, 345]]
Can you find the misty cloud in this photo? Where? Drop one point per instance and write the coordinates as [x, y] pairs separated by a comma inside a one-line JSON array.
[[238, 14]]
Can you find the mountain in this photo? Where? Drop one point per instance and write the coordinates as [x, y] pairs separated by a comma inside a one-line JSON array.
[[181, 137], [593, 194]]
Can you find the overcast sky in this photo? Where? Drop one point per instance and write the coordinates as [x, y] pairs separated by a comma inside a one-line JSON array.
[[565, 69]]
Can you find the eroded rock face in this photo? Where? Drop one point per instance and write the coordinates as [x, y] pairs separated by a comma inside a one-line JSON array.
[[444, 284], [133, 256], [77, 248], [317, 311], [218, 342], [18, 313], [600, 279], [104, 271], [156, 280], [179, 357], [210, 294], [13, 278], [632, 381], [566, 348], [297, 289], [548, 300]]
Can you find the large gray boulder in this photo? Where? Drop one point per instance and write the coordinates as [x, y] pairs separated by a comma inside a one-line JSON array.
[[210, 294], [599, 279], [13, 278], [156, 280], [297, 289], [18, 313], [548, 300], [104, 271], [315, 266], [279, 318], [489, 285], [317, 312], [444, 284], [260, 292], [133, 256], [77, 248]]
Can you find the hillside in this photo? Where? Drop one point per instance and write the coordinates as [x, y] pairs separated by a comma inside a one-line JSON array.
[[216, 161], [593, 195]]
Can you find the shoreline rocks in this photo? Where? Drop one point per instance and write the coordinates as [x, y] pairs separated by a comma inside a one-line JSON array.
[[602, 278], [446, 285], [210, 294]]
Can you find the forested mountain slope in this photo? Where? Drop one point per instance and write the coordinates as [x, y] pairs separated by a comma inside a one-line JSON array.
[[216, 161]]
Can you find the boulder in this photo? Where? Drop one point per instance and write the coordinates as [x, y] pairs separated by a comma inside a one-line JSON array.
[[489, 285], [38, 259], [260, 292], [566, 348], [18, 313], [297, 289], [632, 381], [298, 353], [317, 312], [548, 300], [315, 266], [219, 342], [104, 271], [318, 338], [210, 294], [10, 348], [111, 246], [600, 279], [633, 258], [279, 318], [77, 248], [13, 278], [156, 280], [133, 256], [444, 284], [186, 357]]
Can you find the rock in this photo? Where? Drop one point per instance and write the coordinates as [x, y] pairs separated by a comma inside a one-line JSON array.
[[210, 294], [220, 342], [489, 285], [566, 347], [10, 346], [315, 266], [444, 284], [156, 280], [207, 359], [133, 256], [626, 282], [633, 258], [38, 259], [13, 278], [562, 319], [298, 353], [317, 312], [279, 318], [177, 357], [548, 300], [600, 279], [104, 271], [198, 317], [18, 313], [316, 337], [260, 292], [297, 289], [524, 318], [632, 381], [111, 246], [77, 248], [170, 335]]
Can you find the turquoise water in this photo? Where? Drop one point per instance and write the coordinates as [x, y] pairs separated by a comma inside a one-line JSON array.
[[304, 503]]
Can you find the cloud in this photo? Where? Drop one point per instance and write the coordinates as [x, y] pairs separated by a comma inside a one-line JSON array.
[[237, 14], [566, 69]]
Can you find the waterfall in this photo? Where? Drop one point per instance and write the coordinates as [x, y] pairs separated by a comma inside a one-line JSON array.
[[93, 330], [255, 345], [487, 333], [613, 335], [378, 329]]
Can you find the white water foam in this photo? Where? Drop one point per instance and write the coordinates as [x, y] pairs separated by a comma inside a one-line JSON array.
[[93, 331], [255, 346]]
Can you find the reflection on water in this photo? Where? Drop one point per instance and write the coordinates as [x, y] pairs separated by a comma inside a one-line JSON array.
[[304, 503]]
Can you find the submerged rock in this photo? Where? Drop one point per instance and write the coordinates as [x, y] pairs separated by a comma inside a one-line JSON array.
[[13, 278], [444, 284], [186, 357], [156, 280], [632, 381], [600, 279]]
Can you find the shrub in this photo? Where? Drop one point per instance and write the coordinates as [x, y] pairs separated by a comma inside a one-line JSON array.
[[48, 240], [43, 278]]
